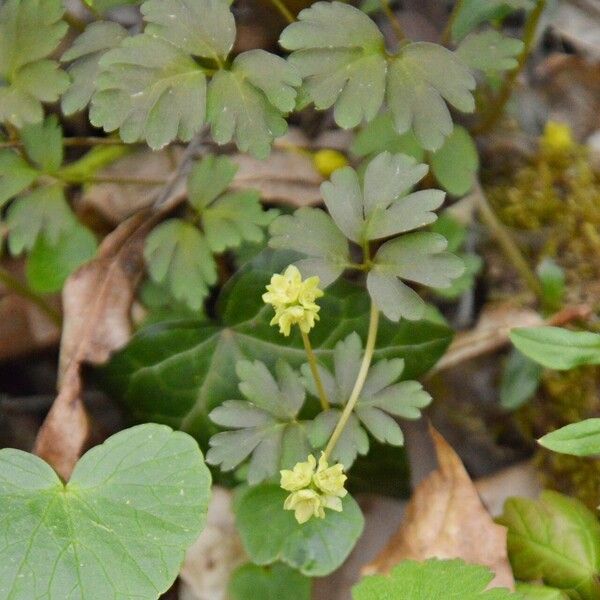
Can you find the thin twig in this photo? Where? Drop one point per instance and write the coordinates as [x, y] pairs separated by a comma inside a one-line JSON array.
[[496, 110], [13, 284], [447, 33], [283, 10]]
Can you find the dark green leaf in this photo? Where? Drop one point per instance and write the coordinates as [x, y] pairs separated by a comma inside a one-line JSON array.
[[276, 582], [118, 529], [178, 372], [520, 380], [315, 548], [555, 539], [578, 439], [209, 179], [531, 591], [16, 175], [557, 348], [552, 278], [44, 144]]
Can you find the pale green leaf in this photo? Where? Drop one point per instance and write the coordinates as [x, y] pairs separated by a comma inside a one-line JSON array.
[[556, 540], [382, 206], [85, 55], [315, 548], [203, 28], [49, 265], [209, 179], [520, 380], [30, 30], [178, 254], [102, 6], [275, 582], [466, 281], [418, 257], [239, 105], [490, 51], [312, 232], [557, 348], [421, 80], [339, 52], [16, 175], [44, 211], [577, 439], [44, 144], [118, 529], [552, 277], [149, 90], [433, 579], [456, 163]]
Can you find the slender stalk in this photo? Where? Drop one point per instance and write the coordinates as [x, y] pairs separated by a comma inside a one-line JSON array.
[[74, 22], [393, 19], [496, 110], [12, 283], [360, 380], [120, 180], [283, 10], [505, 241], [73, 141], [314, 369], [447, 33]]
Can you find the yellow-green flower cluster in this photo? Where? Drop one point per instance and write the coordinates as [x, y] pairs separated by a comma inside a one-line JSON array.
[[557, 139], [293, 300], [313, 488]]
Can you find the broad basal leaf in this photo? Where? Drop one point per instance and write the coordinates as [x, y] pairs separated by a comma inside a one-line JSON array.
[[381, 399], [421, 80], [382, 206], [312, 232], [447, 579], [85, 55], [339, 52], [274, 582], [43, 143], [30, 30], [557, 348], [419, 257], [245, 104], [490, 51], [42, 211], [178, 254], [315, 548], [555, 539], [118, 529], [150, 90], [178, 372], [265, 424], [578, 439], [16, 175]]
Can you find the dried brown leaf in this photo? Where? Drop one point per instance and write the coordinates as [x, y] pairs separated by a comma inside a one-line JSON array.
[[446, 519]]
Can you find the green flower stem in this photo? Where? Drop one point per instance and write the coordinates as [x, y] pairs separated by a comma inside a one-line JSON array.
[[75, 22], [312, 361], [73, 142], [13, 284], [508, 246], [447, 33], [496, 109], [284, 10], [393, 19], [360, 381]]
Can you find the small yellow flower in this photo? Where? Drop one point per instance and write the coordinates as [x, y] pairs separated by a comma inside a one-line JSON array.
[[293, 300], [305, 504], [330, 480], [557, 139], [300, 476], [327, 161]]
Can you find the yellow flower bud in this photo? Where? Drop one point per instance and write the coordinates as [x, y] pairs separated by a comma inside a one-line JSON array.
[[293, 300], [305, 504], [330, 480], [300, 476], [557, 139], [327, 161]]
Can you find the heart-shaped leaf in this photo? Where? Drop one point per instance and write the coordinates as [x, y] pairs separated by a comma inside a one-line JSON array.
[[117, 530]]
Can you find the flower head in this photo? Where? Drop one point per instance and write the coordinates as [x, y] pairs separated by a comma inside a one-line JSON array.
[[300, 476], [557, 139], [293, 300], [306, 504], [330, 480]]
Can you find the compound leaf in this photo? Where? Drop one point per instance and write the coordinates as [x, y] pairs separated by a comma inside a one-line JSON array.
[[118, 529], [44, 144], [208, 179], [16, 175], [448, 579], [85, 54], [150, 90], [178, 254], [339, 52], [30, 30], [315, 548], [489, 51]]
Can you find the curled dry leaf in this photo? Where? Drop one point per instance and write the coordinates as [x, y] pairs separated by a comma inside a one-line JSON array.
[[214, 556], [446, 519]]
